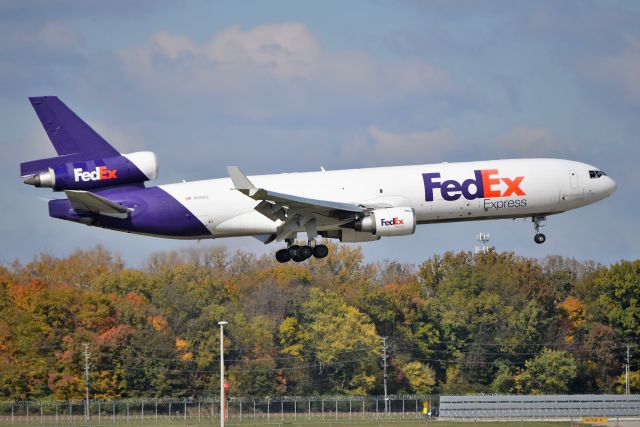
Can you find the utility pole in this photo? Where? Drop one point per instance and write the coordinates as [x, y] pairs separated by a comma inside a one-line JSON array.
[[222, 396], [627, 390], [384, 370], [86, 378]]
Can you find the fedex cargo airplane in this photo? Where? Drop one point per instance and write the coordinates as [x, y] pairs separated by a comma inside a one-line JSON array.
[[106, 188]]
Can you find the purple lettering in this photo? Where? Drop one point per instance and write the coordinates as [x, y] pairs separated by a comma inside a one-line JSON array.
[[429, 185], [477, 183], [449, 187]]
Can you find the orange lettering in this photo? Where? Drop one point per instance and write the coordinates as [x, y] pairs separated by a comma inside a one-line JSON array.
[[513, 186], [487, 182]]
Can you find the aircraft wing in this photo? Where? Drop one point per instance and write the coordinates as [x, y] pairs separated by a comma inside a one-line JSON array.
[[86, 201], [324, 207], [294, 211]]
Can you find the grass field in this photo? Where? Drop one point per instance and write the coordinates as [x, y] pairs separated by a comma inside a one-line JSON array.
[[414, 423], [361, 423]]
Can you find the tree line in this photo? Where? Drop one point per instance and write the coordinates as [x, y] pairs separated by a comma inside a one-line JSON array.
[[457, 323]]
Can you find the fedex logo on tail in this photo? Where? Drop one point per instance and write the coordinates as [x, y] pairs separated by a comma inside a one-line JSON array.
[[100, 173], [485, 184]]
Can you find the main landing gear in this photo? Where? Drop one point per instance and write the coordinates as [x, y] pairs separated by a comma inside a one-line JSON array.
[[301, 253], [539, 238]]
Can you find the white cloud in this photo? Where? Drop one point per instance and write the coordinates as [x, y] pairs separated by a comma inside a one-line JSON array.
[[622, 71], [277, 68], [525, 141], [58, 37], [123, 139], [33, 144], [31, 56], [52, 38], [381, 147]]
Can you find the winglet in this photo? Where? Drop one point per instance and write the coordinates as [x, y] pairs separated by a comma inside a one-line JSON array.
[[240, 180]]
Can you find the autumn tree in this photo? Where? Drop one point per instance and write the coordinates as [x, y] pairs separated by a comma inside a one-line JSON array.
[[458, 323], [550, 372], [339, 342]]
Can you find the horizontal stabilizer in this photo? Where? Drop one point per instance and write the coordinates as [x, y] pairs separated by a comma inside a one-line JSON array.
[[41, 165], [85, 201]]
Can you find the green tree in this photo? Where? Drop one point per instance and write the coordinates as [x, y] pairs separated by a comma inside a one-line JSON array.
[[551, 372], [621, 299], [634, 382], [421, 377], [503, 382], [338, 340]]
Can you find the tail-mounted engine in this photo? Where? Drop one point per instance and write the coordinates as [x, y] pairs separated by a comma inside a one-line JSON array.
[[88, 174], [388, 222]]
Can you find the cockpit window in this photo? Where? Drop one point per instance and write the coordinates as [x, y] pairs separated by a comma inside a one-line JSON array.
[[596, 174]]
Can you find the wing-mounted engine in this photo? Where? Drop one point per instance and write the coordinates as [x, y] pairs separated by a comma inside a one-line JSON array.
[[400, 221], [89, 174]]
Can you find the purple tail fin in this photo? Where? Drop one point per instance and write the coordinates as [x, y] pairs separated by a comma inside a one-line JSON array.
[[73, 139]]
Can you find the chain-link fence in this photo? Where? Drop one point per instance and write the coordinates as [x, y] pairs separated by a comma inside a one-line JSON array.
[[238, 410]]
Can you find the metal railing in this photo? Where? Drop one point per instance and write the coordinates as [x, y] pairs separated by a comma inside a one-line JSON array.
[[548, 406]]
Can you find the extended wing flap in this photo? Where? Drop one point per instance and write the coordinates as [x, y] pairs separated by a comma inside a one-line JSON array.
[[85, 201], [306, 203], [281, 202]]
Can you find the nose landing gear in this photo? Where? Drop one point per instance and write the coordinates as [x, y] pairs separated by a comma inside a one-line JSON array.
[[301, 253], [539, 238]]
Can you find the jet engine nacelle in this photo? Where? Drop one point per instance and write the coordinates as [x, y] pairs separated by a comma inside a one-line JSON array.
[[388, 222], [348, 235], [83, 175]]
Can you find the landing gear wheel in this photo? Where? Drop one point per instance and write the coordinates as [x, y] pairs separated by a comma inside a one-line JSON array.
[[305, 252], [283, 255], [293, 251], [296, 253], [320, 251], [539, 238]]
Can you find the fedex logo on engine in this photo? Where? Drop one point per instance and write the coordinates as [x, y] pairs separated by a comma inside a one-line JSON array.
[[486, 184], [99, 174], [392, 221]]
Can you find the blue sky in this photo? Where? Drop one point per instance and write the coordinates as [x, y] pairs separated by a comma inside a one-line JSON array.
[[292, 86]]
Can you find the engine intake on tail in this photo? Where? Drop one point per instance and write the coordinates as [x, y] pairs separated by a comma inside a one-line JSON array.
[[399, 221], [125, 169]]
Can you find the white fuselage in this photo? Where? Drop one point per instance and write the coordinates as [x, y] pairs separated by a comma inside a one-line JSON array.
[[436, 192]]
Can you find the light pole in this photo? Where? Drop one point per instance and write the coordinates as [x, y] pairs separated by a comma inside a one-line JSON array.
[[384, 367], [86, 378], [222, 323]]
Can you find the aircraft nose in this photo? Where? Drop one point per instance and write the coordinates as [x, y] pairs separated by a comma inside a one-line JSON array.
[[611, 186]]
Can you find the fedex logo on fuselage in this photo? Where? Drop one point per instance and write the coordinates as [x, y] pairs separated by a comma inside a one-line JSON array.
[[485, 184], [100, 173], [392, 221]]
